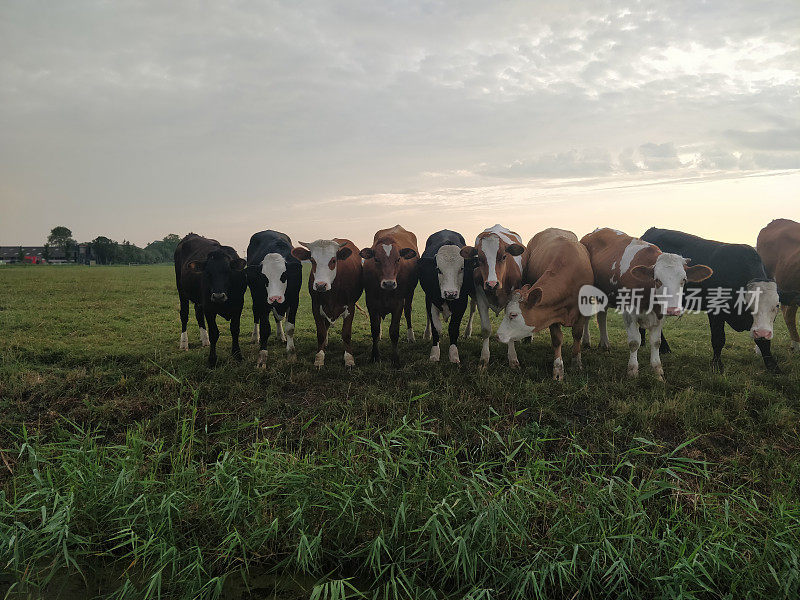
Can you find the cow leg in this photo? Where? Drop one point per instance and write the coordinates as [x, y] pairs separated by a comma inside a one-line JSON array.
[[291, 317], [602, 325], [255, 336], [236, 318], [198, 314], [427, 334], [717, 324], [279, 332], [557, 339], [766, 353], [586, 336], [407, 311], [513, 361], [264, 330], [436, 329], [394, 334], [468, 328], [665, 349], [183, 311], [577, 335], [347, 332], [375, 325], [322, 336], [789, 315], [486, 326], [655, 347], [454, 329], [213, 331], [634, 342]]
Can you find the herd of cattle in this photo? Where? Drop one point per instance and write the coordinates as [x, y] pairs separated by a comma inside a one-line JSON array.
[[536, 287]]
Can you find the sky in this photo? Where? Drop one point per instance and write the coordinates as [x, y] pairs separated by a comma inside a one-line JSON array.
[[334, 119]]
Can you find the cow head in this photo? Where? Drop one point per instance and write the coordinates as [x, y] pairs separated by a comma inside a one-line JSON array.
[[324, 256], [493, 253], [763, 303], [387, 256], [517, 321], [218, 269], [273, 268], [450, 271], [668, 276]]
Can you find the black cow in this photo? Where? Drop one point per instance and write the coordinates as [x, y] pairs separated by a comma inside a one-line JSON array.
[[274, 277], [212, 277], [442, 268], [739, 293]]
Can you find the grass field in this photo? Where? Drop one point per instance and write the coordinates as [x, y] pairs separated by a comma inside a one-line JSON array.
[[130, 469]]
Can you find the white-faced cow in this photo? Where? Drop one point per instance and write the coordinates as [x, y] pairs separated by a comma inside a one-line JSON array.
[[212, 277], [445, 273], [645, 283], [390, 277], [778, 246], [335, 285], [499, 272], [274, 277], [739, 293], [555, 266]]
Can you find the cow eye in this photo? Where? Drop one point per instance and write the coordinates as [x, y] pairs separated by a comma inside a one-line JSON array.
[[438, 270], [502, 258], [283, 277], [461, 269]]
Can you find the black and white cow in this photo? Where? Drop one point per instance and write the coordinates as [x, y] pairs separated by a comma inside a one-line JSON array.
[[274, 277], [739, 293], [212, 277], [442, 269]]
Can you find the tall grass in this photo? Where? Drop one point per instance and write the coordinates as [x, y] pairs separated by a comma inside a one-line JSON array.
[[391, 513]]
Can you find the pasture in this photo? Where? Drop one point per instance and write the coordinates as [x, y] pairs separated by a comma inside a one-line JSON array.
[[128, 467]]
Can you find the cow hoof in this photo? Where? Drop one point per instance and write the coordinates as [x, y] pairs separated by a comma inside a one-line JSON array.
[[204, 338], [319, 359], [184, 343], [577, 363], [605, 347], [453, 352], [410, 335], [483, 365], [716, 366], [349, 362], [633, 372], [262, 359], [291, 357], [513, 363], [558, 374], [212, 362], [255, 338]]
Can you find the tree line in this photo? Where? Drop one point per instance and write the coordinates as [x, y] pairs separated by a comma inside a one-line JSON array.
[[106, 251]]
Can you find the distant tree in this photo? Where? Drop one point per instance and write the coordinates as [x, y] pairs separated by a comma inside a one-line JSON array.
[[163, 250], [46, 252], [21, 254], [61, 237], [104, 249]]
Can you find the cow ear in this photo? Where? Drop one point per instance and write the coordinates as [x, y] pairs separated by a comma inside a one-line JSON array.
[[343, 253], [238, 264], [408, 253], [530, 296], [643, 273], [197, 266], [366, 253], [515, 249], [698, 272], [301, 253], [469, 252]]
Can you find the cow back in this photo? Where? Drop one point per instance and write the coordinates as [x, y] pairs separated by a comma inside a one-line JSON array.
[[778, 246]]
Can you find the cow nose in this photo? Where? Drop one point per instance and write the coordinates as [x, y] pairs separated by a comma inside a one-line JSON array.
[[762, 334], [673, 312], [490, 285], [388, 284], [219, 297], [276, 299], [451, 295], [320, 287]]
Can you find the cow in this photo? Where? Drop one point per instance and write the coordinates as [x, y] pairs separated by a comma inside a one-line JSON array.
[[274, 277], [335, 285], [212, 277], [555, 266], [778, 245], [495, 278], [445, 274], [739, 292], [645, 283], [390, 277]]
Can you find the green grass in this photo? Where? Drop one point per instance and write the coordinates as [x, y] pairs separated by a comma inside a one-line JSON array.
[[129, 468]]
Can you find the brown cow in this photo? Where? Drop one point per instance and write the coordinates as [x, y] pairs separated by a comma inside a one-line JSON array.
[[779, 247], [644, 283], [499, 273], [555, 266], [390, 277], [335, 285]]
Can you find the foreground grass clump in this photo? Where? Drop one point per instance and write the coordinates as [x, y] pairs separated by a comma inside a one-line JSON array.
[[393, 513]]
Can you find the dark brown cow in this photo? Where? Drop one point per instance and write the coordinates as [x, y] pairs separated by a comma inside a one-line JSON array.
[[555, 267], [499, 273], [779, 247], [335, 285], [390, 277]]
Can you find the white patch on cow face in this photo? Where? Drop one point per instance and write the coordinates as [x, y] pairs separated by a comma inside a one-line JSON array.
[[322, 253], [450, 269], [630, 252], [508, 236], [387, 248], [763, 303], [513, 326], [670, 270], [490, 246], [274, 269]]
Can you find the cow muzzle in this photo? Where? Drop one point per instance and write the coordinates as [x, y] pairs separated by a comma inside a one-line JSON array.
[[389, 284], [491, 285], [321, 287], [275, 300], [222, 297], [674, 312], [449, 295], [762, 334]]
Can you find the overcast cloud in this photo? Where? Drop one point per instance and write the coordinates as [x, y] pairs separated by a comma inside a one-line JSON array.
[[134, 119]]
